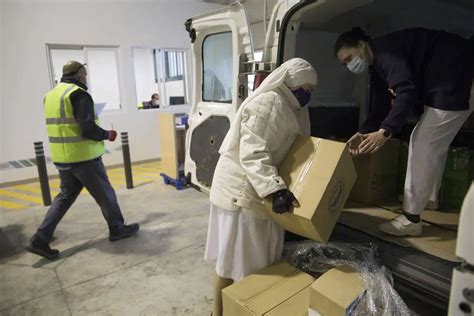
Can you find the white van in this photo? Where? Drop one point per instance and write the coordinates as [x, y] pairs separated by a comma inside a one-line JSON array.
[[223, 59]]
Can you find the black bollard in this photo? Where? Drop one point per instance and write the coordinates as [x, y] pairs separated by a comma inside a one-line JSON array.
[[42, 173], [127, 165]]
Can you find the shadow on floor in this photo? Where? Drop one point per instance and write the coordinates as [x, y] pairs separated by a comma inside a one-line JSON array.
[[12, 240], [150, 242]]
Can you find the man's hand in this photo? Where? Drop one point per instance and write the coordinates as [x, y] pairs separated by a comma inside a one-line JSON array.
[[283, 201], [112, 135], [354, 142], [372, 142]]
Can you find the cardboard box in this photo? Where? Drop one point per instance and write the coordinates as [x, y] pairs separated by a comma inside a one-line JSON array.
[[377, 175], [320, 173], [312, 312], [336, 292], [277, 290]]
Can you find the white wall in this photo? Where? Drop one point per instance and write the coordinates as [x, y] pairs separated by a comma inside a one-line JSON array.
[[30, 25]]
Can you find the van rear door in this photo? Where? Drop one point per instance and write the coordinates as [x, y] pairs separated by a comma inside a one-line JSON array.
[[221, 46]]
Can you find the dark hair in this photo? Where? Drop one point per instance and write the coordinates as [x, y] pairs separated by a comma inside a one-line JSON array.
[[154, 95], [350, 39]]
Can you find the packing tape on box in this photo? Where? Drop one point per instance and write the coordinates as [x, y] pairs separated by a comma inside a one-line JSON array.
[[305, 170], [312, 312]]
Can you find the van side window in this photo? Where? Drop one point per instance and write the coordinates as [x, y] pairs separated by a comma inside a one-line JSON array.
[[217, 68]]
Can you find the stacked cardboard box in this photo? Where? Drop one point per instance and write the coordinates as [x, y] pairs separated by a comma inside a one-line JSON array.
[[336, 292], [377, 175], [282, 290], [278, 290]]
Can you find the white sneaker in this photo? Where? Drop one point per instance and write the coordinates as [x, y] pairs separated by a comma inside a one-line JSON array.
[[401, 226]]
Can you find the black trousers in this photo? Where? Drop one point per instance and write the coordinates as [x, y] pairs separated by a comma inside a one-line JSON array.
[[93, 176]]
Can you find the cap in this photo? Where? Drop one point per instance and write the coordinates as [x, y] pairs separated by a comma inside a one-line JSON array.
[[72, 67]]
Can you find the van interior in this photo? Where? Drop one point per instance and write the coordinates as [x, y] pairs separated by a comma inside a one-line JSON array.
[[340, 104]]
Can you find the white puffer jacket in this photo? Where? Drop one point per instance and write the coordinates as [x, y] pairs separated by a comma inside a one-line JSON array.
[[247, 171]]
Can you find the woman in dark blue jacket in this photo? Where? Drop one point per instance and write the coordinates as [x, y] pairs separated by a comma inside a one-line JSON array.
[[428, 73]]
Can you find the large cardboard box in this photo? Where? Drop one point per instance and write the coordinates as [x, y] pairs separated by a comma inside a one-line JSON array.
[[377, 174], [277, 290], [320, 173], [336, 292]]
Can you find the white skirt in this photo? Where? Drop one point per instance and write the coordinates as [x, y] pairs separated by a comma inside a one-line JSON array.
[[241, 244]]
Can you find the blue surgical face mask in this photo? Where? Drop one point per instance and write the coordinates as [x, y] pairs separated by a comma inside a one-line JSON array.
[[302, 95], [358, 65]]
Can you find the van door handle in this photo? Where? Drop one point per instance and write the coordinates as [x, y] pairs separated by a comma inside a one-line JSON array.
[[242, 91]]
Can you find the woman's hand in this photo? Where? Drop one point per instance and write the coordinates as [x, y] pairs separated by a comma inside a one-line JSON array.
[[354, 142], [372, 142]]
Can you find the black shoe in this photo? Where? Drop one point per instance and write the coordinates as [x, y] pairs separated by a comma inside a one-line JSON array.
[[125, 232], [40, 247]]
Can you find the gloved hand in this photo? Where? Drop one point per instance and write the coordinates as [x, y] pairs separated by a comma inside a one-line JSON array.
[[112, 135], [283, 200]]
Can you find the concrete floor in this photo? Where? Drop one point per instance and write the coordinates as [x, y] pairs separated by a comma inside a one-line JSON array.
[[160, 271]]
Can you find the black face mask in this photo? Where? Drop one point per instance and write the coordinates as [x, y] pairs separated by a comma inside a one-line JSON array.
[[302, 95]]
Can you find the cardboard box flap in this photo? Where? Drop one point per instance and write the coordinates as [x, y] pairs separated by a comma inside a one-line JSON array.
[[257, 283], [336, 291], [279, 292]]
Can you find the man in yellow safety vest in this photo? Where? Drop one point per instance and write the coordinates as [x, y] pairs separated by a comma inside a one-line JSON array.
[[77, 144]]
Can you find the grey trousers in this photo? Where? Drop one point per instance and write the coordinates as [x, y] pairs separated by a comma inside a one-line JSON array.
[[93, 176]]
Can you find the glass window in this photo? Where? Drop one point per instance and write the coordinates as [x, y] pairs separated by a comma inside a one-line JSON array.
[[217, 68], [174, 66], [102, 75], [145, 63], [102, 70], [160, 77], [59, 57], [258, 55]]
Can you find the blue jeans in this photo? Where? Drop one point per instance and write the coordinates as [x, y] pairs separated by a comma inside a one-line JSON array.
[[93, 176]]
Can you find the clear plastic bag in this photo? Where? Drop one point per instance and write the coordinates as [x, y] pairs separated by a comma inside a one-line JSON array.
[[380, 297]]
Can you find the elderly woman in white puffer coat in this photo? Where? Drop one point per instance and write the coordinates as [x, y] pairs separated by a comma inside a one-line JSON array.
[[242, 238]]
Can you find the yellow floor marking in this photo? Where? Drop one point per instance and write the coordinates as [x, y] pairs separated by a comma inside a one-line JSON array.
[[28, 188], [138, 172], [11, 205], [146, 169], [151, 170], [142, 173], [21, 196], [158, 163], [137, 176]]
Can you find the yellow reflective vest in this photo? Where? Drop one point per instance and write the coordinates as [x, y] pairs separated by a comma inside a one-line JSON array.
[[65, 141]]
